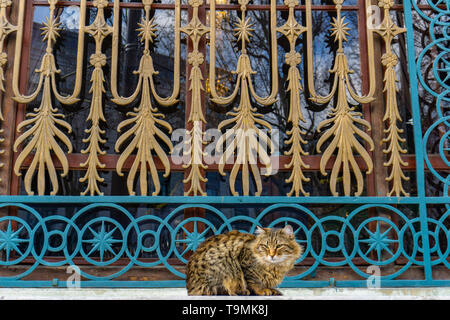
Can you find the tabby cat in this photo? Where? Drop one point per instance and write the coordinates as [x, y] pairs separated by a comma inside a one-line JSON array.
[[237, 263]]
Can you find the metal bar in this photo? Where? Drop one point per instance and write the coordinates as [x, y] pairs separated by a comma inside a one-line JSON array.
[[182, 284], [137, 5], [418, 142], [110, 161], [23, 83], [393, 283], [134, 5], [221, 200]]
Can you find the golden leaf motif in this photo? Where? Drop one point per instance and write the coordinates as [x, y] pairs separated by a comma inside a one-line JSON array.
[[246, 142], [145, 131], [145, 121], [388, 30], [95, 133], [41, 138], [99, 30], [247, 139], [343, 119], [43, 132], [292, 30], [195, 29]]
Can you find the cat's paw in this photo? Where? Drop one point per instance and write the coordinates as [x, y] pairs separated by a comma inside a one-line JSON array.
[[269, 292], [276, 292], [245, 292]]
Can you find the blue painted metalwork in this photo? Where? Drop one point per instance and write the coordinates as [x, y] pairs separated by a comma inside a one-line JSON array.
[[104, 230], [102, 239]]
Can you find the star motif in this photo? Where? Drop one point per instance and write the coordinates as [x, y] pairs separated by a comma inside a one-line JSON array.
[[378, 241], [291, 29], [388, 29], [6, 27], [9, 240], [243, 29], [102, 241], [339, 30], [147, 30], [51, 29], [195, 29], [99, 29], [193, 239]]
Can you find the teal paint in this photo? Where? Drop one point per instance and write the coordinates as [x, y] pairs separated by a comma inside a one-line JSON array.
[[104, 239]]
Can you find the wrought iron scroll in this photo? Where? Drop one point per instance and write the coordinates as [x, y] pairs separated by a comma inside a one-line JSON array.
[[292, 30], [145, 117], [438, 26], [42, 124], [248, 140], [99, 30], [388, 31], [195, 29], [343, 118]]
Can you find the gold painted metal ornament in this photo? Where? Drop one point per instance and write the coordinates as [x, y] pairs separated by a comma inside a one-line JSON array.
[[292, 30], [343, 118], [145, 119], [43, 124], [388, 31], [195, 29], [6, 28], [245, 142], [99, 30]]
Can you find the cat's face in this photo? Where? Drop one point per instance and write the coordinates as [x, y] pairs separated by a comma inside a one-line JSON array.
[[275, 246]]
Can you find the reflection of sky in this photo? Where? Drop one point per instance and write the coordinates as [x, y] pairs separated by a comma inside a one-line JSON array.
[[69, 16], [164, 19], [40, 13]]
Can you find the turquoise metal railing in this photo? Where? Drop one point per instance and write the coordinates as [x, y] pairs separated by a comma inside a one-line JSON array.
[[100, 240]]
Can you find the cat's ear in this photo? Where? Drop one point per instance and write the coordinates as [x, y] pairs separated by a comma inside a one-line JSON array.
[[288, 230], [259, 230]]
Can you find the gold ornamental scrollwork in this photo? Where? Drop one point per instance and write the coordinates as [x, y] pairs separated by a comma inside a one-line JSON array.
[[343, 118], [245, 142], [145, 119], [292, 30], [195, 29], [6, 28], [99, 30], [43, 123], [388, 31]]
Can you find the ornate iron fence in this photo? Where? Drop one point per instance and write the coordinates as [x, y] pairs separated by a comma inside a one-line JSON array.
[[143, 231]]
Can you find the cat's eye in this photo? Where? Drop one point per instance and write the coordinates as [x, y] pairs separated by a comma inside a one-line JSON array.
[[284, 247]]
